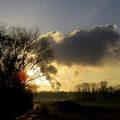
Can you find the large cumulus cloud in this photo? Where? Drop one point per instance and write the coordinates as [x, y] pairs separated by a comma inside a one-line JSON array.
[[86, 47]]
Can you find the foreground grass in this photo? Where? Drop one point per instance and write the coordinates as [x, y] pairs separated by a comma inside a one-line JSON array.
[[69, 110]]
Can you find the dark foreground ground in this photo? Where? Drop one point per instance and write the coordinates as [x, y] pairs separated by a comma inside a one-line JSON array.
[[68, 110]]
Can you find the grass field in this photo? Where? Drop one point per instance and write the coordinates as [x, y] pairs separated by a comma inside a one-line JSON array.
[[69, 110]]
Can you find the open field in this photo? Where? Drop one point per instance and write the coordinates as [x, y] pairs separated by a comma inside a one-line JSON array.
[[68, 110]]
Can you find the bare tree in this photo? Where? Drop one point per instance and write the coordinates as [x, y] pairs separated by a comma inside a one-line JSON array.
[[103, 85], [21, 49]]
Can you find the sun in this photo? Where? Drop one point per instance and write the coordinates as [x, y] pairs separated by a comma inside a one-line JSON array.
[[33, 72], [38, 79], [30, 73]]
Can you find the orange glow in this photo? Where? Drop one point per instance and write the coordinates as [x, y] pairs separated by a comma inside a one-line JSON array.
[[22, 75]]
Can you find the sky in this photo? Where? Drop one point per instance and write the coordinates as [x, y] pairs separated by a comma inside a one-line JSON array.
[[62, 15], [85, 35]]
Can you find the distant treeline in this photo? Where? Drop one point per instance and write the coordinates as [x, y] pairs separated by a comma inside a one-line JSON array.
[[54, 96], [84, 93], [98, 93]]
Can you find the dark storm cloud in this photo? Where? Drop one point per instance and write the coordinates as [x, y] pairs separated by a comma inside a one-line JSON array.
[[86, 47]]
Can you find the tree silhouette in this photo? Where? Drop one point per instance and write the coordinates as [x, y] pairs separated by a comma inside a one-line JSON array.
[[98, 93], [21, 49]]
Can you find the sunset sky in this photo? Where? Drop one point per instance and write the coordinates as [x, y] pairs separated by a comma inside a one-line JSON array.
[[84, 34]]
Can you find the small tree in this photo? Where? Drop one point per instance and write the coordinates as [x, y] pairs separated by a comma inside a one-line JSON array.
[[20, 50]]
